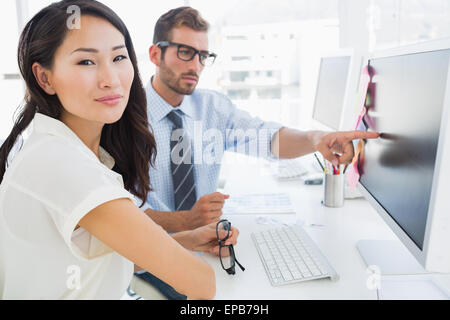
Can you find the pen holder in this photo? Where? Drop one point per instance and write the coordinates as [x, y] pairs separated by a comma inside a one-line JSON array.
[[333, 195]]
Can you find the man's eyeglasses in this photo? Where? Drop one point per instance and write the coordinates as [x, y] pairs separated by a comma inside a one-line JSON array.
[[187, 53], [226, 252]]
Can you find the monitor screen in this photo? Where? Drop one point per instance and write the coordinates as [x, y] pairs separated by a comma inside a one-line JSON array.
[[397, 169], [330, 90]]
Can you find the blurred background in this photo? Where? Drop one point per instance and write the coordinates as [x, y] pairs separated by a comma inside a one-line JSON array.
[[267, 50]]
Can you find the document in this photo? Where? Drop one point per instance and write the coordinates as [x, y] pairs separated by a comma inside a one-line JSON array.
[[258, 203], [412, 287]]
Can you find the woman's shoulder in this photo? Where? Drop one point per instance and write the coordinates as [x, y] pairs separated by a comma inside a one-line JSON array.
[[53, 158], [51, 149]]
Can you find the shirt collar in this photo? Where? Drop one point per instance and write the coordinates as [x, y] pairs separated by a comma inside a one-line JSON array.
[[48, 125], [106, 158], [158, 108]]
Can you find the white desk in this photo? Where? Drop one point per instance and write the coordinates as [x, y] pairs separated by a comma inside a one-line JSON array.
[[343, 227]]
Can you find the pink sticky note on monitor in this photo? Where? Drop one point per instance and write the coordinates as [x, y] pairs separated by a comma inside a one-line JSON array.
[[366, 77], [352, 176], [360, 117]]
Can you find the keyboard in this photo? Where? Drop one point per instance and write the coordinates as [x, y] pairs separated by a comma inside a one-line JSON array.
[[290, 169], [289, 255]]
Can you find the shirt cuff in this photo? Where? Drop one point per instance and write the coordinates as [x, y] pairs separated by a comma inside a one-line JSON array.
[[273, 129], [92, 201]]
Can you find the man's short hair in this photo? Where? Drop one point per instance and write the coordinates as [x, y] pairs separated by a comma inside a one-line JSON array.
[[182, 16]]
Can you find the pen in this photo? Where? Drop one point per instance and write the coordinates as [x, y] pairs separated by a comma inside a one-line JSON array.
[[345, 168], [315, 155]]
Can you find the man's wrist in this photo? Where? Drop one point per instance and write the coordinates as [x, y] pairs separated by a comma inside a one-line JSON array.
[[171, 221], [314, 138], [182, 218]]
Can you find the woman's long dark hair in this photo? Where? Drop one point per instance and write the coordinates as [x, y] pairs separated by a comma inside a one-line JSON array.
[[128, 140]]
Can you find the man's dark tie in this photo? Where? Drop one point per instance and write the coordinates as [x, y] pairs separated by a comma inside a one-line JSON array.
[[181, 165]]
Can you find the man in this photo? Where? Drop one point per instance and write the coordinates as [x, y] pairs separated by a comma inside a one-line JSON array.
[[179, 35], [184, 183]]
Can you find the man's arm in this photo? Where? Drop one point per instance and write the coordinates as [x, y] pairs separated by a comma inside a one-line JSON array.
[[291, 143], [171, 221], [206, 210], [336, 147]]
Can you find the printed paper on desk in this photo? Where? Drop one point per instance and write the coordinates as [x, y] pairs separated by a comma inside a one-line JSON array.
[[412, 287], [256, 203]]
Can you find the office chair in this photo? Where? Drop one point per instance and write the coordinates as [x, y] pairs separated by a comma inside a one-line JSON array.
[[144, 290]]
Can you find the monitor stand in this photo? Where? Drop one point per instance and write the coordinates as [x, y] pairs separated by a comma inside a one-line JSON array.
[[390, 256]]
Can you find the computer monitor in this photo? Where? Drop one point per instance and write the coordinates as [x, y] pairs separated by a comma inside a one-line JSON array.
[[331, 88], [405, 173]]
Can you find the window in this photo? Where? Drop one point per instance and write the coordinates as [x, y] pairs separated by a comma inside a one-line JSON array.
[[240, 94], [246, 46], [241, 58], [269, 93], [238, 76], [10, 82], [396, 22], [236, 38], [260, 56]]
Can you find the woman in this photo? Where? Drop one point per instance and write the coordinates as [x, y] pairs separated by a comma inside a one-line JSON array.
[[68, 227]]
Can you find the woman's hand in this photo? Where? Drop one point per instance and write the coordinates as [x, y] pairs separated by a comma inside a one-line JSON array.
[[205, 238]]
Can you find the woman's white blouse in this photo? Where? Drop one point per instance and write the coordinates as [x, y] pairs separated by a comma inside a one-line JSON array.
[[52, 182]]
